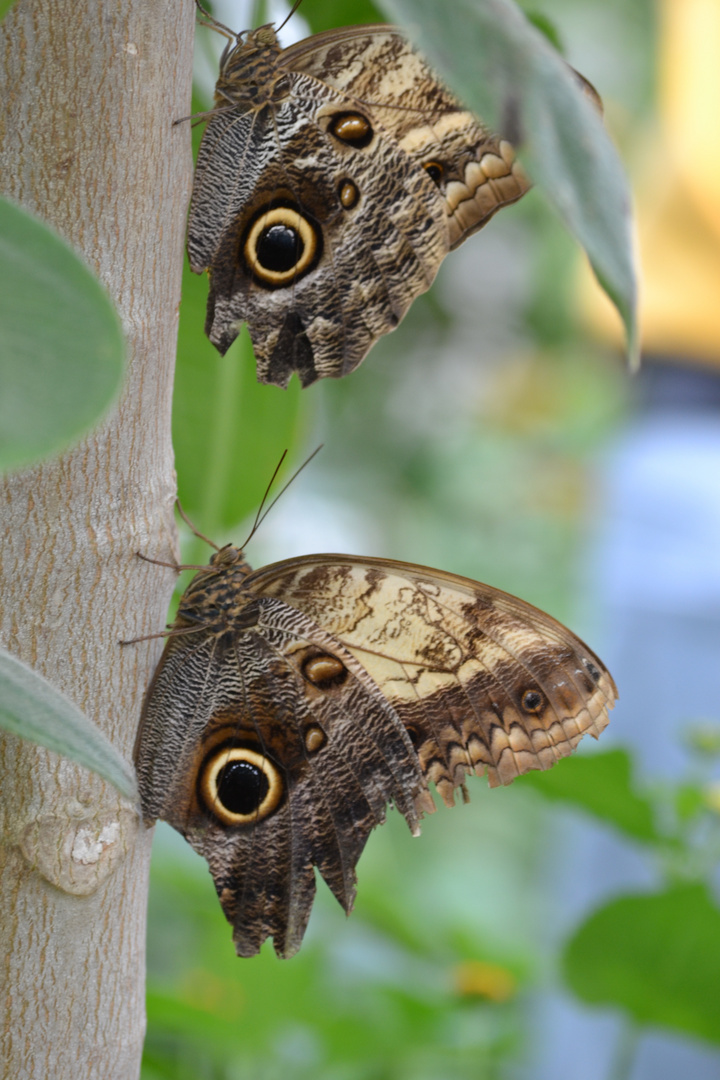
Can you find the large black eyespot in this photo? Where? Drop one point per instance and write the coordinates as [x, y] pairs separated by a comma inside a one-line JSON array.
[[240, 785], [279, 248], [351, 128], [280, 245]]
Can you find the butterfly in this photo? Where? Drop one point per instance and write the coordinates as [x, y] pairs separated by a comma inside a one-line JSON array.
[[333, 178], [294, 703]]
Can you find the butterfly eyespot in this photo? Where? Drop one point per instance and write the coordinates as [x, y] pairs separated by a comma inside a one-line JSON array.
[[315, 739], [592, 670], [348, 194], [281, 245], [435, 171], [532, 701], [352, 128], [240, 786], [324, 671], [413, 736]]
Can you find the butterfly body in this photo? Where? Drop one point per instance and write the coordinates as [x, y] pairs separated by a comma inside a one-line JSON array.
[[331, 182], [294, 703]]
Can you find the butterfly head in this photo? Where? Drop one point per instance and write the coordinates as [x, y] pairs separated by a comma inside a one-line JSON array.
[[249, 75], [230, 557]]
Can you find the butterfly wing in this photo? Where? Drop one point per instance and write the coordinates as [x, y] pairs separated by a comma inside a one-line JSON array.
[[272, 751], [475, 171], [482, 681], [368, 171]]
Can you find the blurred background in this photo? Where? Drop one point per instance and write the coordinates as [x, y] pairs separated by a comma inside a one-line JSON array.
[[564, 928]]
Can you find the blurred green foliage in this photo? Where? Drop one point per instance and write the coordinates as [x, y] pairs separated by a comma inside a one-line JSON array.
[[54, 384], [464, 441]]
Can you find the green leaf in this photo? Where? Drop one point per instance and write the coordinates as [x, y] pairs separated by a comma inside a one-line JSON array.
[[324, 14], [602, 784], [5, 6], [229, 431], [548, 28], [33, 709], [656, 956], [507, 72], [61, 343]]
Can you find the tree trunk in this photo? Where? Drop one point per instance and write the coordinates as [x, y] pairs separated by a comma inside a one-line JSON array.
[[88, 93]]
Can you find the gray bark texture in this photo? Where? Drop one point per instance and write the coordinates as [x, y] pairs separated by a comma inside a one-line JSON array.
[[89, 90]]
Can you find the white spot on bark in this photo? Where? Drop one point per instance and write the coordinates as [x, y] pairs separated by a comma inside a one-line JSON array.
[[89, 846], [77, 853]]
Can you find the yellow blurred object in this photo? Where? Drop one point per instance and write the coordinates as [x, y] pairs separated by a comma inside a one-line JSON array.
[[475, 978], [678, 195], [690, 99]]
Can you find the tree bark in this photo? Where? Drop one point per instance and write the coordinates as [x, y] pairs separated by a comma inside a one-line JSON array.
[[89, 90]]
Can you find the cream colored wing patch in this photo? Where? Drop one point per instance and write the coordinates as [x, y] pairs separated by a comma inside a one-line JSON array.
[[482, 681]]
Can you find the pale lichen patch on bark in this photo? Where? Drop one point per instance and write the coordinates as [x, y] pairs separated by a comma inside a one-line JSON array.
[[78, 854]]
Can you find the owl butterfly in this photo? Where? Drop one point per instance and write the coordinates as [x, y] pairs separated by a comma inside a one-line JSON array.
[[332, 180], [293, 703]]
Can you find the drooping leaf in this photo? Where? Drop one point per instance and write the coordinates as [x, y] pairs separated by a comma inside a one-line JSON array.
[[33, 709], [507, 72], [657, 956], [61, 344]]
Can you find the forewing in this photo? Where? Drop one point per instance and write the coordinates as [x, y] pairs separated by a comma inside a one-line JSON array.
[[483, 681], [378, 68]]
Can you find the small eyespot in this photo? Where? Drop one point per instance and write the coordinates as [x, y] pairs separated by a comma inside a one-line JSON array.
[[315, 739], [240, 786], [348, 193], [532, 701], [592, 670], [435, 171], [351, 128], [413, 736], [324, 671], [281, 245]]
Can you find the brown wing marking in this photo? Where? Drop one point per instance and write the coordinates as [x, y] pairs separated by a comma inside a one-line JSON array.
[[460, 676]]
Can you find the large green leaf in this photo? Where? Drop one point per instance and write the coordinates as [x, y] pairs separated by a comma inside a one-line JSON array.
[[33, 709], [325, 14], [656, 956], [505, 69], [61, 343], [601, 784], [228, 430]]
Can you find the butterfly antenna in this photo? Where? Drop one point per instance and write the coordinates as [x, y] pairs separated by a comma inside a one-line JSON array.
[[197, 532], [212, 22], [258, 518], [293, 9]]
